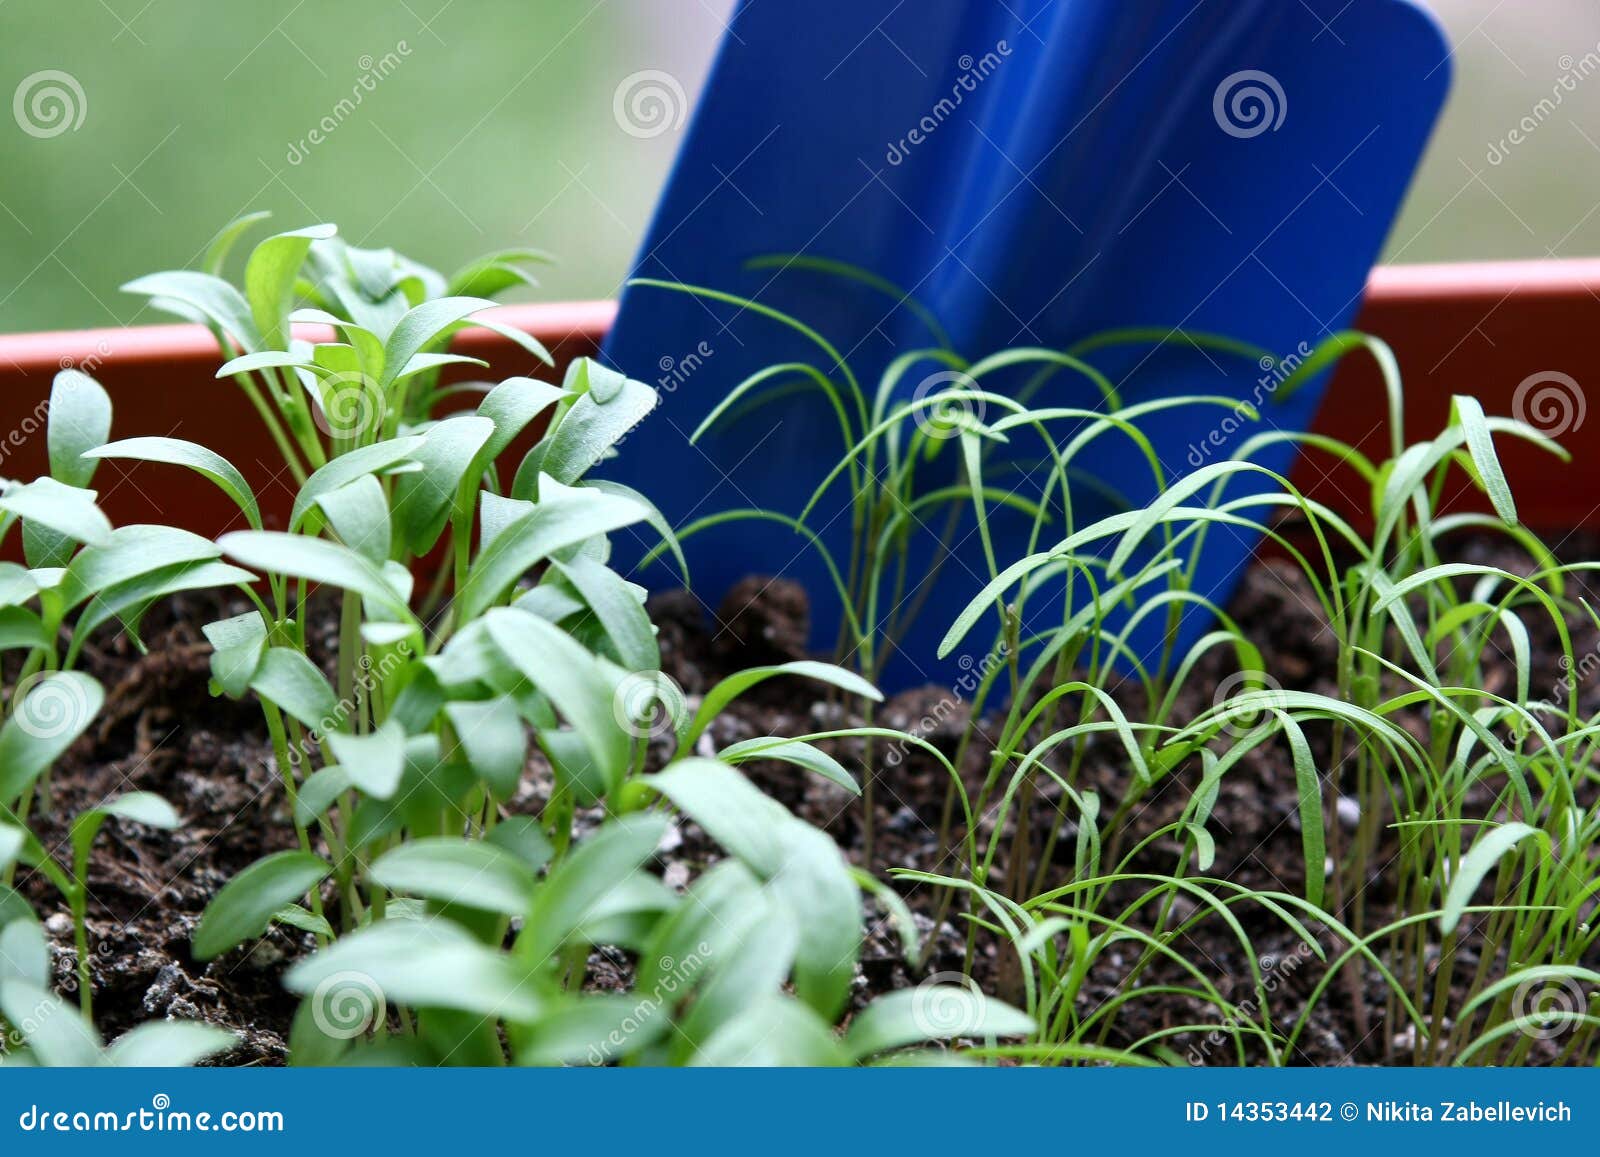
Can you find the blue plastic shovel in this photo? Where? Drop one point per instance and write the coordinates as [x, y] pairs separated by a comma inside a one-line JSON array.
[[1033, 172]]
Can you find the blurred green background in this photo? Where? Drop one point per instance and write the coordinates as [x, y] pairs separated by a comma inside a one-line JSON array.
[[489, 123]]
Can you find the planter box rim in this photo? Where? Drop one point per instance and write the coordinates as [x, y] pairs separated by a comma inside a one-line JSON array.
[[1458, 280], [588, 320], [47, 351]]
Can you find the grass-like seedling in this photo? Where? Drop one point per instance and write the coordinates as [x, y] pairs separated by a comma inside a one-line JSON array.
[[1484, 828]]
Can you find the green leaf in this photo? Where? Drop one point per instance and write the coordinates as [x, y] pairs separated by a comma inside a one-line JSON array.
[[422, 499], [11, 840], [709, 924], [733, 811], [496, 272], [606, 407], [1475, 865], [595, 1029], [894, 906], [24, 952], [130, 599], [1308, 787], [319, 792], [202, 297], [294, 916], [451, 870], [55, 709], [245, 905], [1468, 411], [422, 363], [288, 679], [346, 468], [801, 865], [58, 1036], [14, 906], [420, 964], [579, 885], [269, 278], [17, 584], [142, 807], [359, 514], [237, 648], [67, 510], [177, 452], [628, 914], [127, 553], [774, 1032], [815, 882], [653, 516], [424, 325], [45, 549], [735, 685], [581, 686], [511, 406], [319, 561], [492, 735], [755, 967], [21, 628], [932, 1012], [80, 420], [374, 761], [618, 606], [139, 806], [228, 236], [169, 1044], [268, 359], [524, 838], [514, 335], [563, 517], [794, 751], [554, 602]]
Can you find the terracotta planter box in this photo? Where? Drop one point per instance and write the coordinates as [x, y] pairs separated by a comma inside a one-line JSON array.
[[1484, 329]]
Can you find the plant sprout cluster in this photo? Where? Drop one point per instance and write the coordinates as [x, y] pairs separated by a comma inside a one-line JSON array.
[[1477, 808], [447, 929]]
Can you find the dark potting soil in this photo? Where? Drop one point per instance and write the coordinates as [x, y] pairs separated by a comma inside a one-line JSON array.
[[162, 731]]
